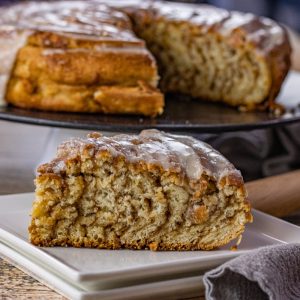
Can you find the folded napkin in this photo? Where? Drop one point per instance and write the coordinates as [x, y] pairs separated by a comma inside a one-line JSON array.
[[271, 272]]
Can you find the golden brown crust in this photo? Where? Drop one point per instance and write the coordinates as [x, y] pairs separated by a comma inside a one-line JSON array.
[[134, 246], [51, 96], [107, 66], [127, 100], [280, 63], [57, 40], [277, 56]]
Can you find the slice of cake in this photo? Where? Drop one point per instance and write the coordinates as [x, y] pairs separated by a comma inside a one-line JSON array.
[[152, 190]]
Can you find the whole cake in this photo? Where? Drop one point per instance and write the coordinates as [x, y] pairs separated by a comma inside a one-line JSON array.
[[85, 56], [153, 190]]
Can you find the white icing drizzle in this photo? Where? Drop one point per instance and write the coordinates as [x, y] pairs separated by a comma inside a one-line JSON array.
[[202, 14], [181, 154], [11, 42], [95, 18], [85, 18], [185, 155], [131, 50], [59, 166], [263, 32], [260, 30]]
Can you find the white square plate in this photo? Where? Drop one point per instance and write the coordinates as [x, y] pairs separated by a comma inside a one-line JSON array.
[[94, 269], [181, 288]]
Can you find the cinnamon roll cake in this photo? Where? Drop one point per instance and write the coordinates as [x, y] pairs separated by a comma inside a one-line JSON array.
[[149, 191], [87, 56]]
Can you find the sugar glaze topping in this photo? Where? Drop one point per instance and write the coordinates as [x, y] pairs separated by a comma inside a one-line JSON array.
[[265, 33], [103, 22], [71, 17], [181, 154]]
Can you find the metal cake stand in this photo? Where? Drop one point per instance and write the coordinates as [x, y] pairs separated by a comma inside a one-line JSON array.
[[181, 115]]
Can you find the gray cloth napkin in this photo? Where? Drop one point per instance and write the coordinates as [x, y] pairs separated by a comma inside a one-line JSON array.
[[271, 272], [260, 153]]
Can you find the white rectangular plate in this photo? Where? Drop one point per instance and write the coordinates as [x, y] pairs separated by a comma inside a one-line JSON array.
[[94, 269]]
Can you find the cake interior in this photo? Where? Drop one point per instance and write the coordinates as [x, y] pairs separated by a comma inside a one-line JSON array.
[[127, 205], [204, 64]]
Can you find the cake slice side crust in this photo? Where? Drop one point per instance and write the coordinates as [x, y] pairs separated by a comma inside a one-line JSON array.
[[51, 96]]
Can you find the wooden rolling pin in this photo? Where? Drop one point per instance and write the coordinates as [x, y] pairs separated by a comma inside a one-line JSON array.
[[277, 195]]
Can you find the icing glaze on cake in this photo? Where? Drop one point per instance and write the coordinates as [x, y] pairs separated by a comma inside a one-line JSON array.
[[180, 154]]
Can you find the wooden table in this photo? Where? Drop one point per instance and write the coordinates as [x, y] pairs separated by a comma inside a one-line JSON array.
[[21, 147]]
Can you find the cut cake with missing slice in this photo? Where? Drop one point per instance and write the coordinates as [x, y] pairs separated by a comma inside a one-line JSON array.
[[153, 190]]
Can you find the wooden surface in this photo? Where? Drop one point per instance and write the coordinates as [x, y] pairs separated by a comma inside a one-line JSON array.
[[21, 150], [276, 195], [15, 284]]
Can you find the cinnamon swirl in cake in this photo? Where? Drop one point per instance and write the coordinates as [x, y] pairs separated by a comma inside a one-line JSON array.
[[213, 54], [149, 191]]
